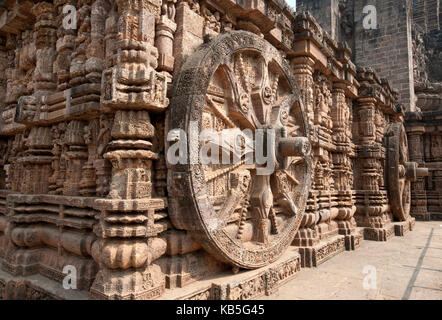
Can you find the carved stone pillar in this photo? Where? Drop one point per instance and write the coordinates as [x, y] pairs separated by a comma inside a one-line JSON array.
[[37, 162], [65, 45], [189, 34], [45, 29], [318, 237], [366, 111], [131, 169], [76, 156], [342, 167], [33, 147], [102, 166], [61, 177], [5, 153], [433, 159], [95, 51], [165, 30], [366, 114], [82, 41], [128, 242], [3, 160], [340, 117], [372, 210], [14, 170], [303, 71], [160, 168], [418, 190], [88, 179], [56, 153], [110, 31], [307, 235]]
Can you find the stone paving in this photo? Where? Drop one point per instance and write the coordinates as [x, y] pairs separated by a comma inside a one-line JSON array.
[[408, 268]]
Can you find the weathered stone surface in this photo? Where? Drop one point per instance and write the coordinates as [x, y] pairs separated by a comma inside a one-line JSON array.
[[88, 116], [227, 196], [403, 47]]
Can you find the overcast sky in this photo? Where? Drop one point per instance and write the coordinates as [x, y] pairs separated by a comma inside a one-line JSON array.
[[292, 3]]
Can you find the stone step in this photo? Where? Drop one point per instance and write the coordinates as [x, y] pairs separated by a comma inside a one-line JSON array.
[[35, 287]]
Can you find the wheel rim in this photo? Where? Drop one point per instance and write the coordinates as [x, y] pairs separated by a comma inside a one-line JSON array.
[[246, 219]]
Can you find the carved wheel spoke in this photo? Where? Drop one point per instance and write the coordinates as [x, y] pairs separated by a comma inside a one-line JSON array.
[[239, 212]]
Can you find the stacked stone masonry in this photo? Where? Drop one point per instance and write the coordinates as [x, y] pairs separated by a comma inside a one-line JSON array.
[[426, 13], [404, 47], [89, 115]]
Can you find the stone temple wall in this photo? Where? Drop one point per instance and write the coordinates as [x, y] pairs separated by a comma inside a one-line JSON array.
[[93, 116], [406, 49], [387, 48], [424, 127], [426, 13]]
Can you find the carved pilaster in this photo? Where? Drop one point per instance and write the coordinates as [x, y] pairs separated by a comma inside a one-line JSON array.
[[418, 190], [128, 242], [343, 166], [82, 41], [102, 166], [76, 155], [45, 41], [88, 178], [65, 45], [96, 51], [37, 161], [165, 31], [303, 71], [56, 181], [319, 230], [372, 211]]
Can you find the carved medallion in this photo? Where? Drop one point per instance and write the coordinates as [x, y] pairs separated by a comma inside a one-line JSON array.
[[245, 212]]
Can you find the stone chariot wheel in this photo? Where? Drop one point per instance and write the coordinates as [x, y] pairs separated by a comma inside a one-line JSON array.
[[400, 171], [232, 98]]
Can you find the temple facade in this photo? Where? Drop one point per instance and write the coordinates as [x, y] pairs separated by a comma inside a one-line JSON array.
[[109, 110], [402, 44]]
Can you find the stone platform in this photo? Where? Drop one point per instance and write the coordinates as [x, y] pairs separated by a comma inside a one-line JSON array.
[[435, 216], [403, 227], [245, 284], [379, 234], [353, 241], [326, 249], [35, 287]]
